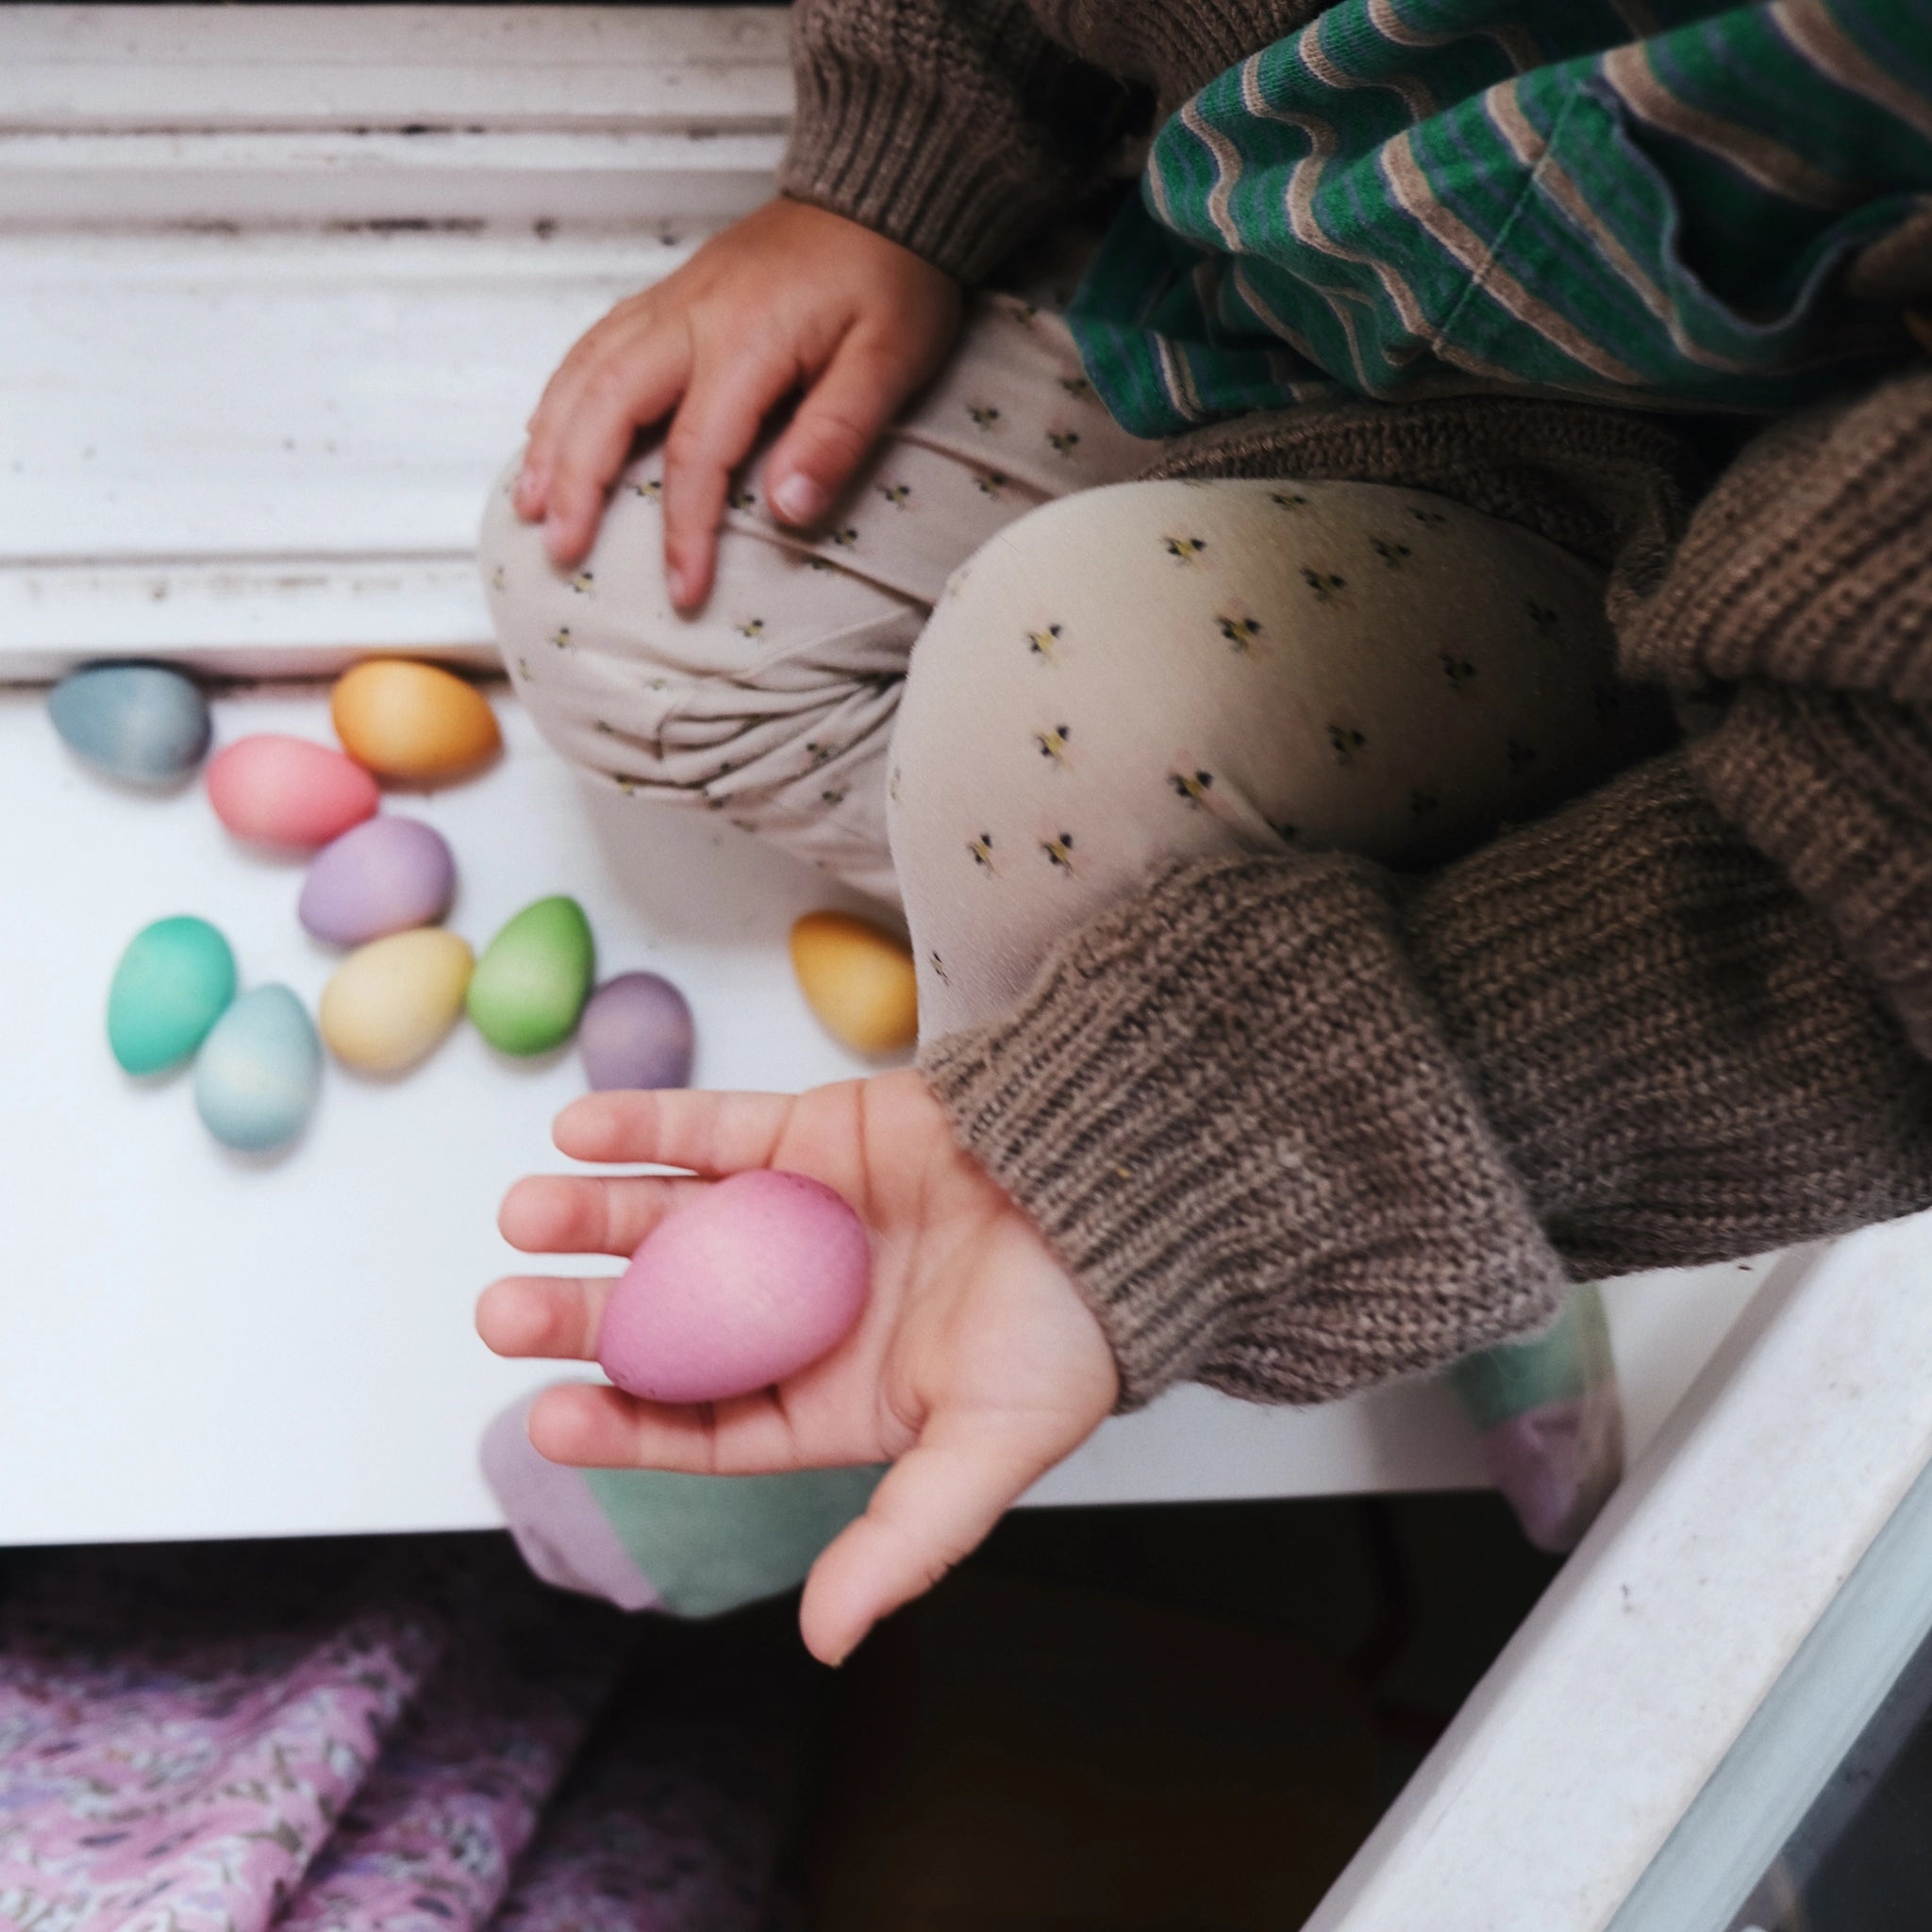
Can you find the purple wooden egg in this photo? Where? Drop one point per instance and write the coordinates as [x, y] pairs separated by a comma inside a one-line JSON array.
[[386, 876], [635, 1032]]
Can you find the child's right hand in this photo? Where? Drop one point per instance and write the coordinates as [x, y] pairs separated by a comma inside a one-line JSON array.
[[975, 1368], [790, 297]]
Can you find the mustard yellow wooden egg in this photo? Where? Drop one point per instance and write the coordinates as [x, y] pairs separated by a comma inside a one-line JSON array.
[[411, 722], [858, 980], [392, 1000]]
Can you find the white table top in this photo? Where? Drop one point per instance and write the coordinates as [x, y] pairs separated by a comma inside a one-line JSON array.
[[196, 1344]]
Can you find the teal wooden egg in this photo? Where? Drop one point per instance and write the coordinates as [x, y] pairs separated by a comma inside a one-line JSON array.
[[174, 982], [257, 1074], [534, 977], [141, 723]]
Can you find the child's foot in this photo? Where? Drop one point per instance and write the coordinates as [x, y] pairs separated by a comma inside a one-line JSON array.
[[648, 1539], [565, 1538], [1550, 1421], [1556, 1464]]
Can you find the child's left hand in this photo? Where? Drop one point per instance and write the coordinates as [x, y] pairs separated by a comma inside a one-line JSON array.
[[974, 1368]]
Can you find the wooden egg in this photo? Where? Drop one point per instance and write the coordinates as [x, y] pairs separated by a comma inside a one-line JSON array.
[[390, 1002], [858, 980], [756, 1280], [281, 791], [533, 976], [417, 724]]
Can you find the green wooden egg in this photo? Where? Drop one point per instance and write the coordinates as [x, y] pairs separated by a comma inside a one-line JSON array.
[[174, 982], [534, 977]]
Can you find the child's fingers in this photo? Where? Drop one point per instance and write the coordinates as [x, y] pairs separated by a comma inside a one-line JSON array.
[[837, 425], [542, 1315], [717, 424], [572, 1214], [937, 1503], [709, 1133], [635, 383], [628, 320], [593, 1425]]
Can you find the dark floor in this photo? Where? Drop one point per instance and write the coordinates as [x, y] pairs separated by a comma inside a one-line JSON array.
[[1153, 1718]]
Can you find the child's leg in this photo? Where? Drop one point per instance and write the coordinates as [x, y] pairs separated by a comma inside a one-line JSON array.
[[773, 705], [646, 1540], [1158, 672], [1166, 670]]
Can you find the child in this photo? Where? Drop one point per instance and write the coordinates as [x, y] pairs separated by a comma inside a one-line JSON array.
[[1208, 1089]]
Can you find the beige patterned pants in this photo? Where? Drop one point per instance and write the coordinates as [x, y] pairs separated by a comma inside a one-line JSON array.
[[1002, 685]]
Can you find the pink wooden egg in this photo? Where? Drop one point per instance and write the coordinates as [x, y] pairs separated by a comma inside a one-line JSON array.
[[279, 791], [758, 1278]]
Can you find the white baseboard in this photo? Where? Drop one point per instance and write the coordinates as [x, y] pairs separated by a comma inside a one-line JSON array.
[[280, 285]]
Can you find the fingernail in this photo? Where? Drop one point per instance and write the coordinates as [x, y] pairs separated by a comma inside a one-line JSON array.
[[678, 583], [799, 500]]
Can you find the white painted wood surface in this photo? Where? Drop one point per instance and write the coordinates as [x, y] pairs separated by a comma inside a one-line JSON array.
[[250, 450], [279, 286], [1569, 1767], [135, 69], [193, 1344]]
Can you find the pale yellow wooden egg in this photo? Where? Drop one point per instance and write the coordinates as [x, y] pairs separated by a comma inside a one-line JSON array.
[[858, 980], [392, 1000]]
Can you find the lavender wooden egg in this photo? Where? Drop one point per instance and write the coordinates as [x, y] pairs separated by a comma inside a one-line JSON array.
[[756, 1280], [635, 1032], [387, 874]]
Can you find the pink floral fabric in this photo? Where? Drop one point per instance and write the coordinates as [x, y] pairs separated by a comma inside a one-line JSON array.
[[336, 1737], [429, 1840]]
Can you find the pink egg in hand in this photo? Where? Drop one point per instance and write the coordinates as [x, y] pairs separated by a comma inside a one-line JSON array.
[[281, 791], [756, 1279]]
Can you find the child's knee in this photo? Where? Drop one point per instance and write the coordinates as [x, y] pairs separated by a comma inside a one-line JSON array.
[[1027, 679], [770, 706]]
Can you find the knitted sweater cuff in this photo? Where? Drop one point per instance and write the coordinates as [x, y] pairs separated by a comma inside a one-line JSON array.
[[1296, 1126], [1808, 563], [1226, 1107], [1837, 788], [923, 164], [889, 169]]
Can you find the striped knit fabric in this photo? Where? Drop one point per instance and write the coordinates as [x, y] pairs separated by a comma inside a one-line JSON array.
[[1409, 194]]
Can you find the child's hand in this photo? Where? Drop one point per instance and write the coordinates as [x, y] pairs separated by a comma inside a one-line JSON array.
[[974, 1368], [790, 297]]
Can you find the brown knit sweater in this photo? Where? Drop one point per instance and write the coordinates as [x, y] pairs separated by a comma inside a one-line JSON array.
[[1298, 1124]]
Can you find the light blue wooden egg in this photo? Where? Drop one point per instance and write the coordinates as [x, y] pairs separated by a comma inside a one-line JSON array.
[[141, 723], [257, 1076]]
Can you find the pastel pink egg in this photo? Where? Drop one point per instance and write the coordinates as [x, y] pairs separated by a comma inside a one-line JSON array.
[[756, 1280], [279, 791]]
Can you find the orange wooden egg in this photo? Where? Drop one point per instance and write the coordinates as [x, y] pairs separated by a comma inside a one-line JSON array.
[[858, 980], [411, 722]]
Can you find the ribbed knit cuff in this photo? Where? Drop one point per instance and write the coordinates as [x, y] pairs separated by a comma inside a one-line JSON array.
[[908, 138], [1810, 561], [1229, 1111], [1838, 790], [1296, 1128], [1669, 1041]]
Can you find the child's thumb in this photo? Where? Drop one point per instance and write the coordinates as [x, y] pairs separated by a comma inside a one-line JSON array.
[[936, 1504]]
